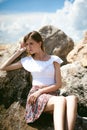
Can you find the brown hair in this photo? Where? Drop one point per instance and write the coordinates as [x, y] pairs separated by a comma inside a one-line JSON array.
[[35, 36]]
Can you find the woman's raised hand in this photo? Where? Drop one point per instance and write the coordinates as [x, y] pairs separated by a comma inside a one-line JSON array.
[[22, 48]]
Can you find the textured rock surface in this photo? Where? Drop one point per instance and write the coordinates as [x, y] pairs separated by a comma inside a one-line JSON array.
[[75, 82], [56, 41], [13, 119], [79, 53]]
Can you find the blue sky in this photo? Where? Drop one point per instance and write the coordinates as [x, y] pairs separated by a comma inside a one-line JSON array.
[[30, 5], [19, 17]]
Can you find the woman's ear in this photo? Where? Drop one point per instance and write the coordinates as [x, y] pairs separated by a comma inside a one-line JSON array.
[[40, 43]]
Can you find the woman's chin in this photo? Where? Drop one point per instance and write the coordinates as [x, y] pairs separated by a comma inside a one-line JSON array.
[[31, 53]]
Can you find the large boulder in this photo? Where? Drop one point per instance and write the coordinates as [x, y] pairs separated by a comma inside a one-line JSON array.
[[14, 85], [56, 41], [79, 53], [74, 80], [13, 119]]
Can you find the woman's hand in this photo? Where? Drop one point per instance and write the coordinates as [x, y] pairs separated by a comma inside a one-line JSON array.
[[21, 50], [32, 98], [22, 45]]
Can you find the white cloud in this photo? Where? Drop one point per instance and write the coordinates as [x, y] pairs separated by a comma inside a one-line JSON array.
[[72, 19]]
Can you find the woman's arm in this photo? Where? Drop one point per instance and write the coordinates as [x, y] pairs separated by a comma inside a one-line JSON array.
[[7, 66]]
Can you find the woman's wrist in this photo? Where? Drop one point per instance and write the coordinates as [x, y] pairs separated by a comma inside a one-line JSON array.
[[21, 50], [40, 91]]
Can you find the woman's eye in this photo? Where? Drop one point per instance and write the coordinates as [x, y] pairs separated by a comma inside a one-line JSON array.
[[31, 43], [26, 44]]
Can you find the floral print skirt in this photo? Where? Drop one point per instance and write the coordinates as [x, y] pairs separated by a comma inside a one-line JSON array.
[[33, 111]]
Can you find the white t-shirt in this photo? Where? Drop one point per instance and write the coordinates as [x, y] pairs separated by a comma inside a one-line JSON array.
[[42, 71]]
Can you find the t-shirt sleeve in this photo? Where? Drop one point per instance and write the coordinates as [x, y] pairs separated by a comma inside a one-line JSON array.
[[57, 59], [26, 63]]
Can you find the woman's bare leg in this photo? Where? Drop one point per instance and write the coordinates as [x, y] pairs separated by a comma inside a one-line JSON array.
[[71, 112], [58, 105]]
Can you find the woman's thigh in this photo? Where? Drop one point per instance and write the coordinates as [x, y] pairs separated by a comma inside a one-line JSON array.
[[50, 104], [52, 101]]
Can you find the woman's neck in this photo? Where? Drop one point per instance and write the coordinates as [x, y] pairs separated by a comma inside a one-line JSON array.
[[40, 56]]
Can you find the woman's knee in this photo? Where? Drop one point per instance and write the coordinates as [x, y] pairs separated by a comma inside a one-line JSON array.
[[72, 98], [60, 100]]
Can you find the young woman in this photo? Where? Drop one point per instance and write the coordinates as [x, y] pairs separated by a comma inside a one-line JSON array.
[[45, 70]]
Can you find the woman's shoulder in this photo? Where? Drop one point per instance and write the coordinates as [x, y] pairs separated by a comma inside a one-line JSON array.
[[27, 63], [56, 58], [27, 58]]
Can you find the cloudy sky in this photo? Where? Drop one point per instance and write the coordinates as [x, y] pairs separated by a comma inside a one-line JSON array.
[[18, 17]]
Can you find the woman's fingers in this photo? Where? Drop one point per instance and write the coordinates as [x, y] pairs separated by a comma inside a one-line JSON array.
[[34, 99], [23, 49], [31, 99], [22, 45]]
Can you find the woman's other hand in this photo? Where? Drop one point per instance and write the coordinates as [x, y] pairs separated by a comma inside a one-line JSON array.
[[33, 97]]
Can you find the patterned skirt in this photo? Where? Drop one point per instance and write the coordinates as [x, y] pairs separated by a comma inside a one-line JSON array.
[[33, 111]]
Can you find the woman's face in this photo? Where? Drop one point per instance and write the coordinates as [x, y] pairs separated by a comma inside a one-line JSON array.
[[32, 46]]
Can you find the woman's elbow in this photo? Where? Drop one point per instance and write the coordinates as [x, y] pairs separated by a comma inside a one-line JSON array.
[[2, 68], [59, 85]]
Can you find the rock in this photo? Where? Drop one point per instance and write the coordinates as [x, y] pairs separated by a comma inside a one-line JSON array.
[[79, 53], [75, 82], [14, 85], [56, 41], [13, 119], [85, 38]]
